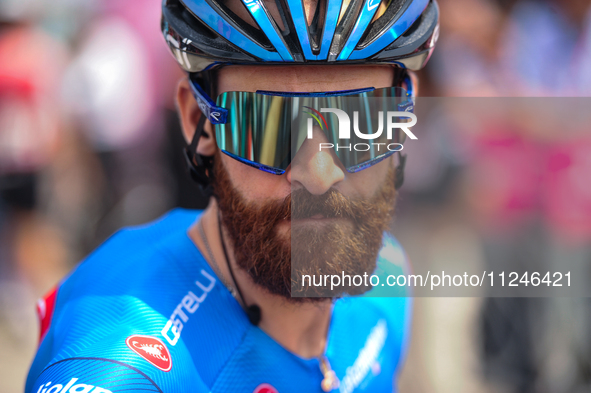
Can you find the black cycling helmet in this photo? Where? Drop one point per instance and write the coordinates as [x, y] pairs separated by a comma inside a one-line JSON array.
[[203, 34]]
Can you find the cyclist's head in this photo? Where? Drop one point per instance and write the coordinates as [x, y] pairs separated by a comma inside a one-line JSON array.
[[207, 36], [236, 53]]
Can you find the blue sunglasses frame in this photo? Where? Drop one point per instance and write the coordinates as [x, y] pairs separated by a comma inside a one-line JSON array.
[[219, 115]]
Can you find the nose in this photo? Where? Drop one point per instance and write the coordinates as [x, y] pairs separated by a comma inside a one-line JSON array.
[[315, 166]]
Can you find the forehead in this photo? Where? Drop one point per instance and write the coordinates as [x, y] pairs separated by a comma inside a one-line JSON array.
[[305, 78]]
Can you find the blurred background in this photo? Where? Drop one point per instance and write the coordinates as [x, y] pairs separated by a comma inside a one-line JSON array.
[[90, 142]]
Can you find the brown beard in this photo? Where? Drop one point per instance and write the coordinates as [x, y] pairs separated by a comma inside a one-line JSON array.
[[349, 244]]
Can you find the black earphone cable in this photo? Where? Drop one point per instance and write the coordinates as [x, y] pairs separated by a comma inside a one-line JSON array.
[[253, 311]]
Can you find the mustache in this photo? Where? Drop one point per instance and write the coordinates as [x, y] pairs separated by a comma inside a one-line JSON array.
[[301, 204]]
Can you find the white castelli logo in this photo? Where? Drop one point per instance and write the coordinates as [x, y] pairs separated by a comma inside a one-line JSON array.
[[187, 306]]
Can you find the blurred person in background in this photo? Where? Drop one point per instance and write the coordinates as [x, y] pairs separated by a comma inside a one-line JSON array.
[[30, 134], [514, 48], [558, 64], [54, 204], [201, 301], [116, 53], [527, 186], [539, 215], [528, 194], [472, 44], [32, 247]]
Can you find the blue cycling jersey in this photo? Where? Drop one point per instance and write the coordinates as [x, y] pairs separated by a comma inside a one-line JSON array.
[[146, 313]]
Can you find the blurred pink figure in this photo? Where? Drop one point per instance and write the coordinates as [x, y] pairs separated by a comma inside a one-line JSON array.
[[505, 179], [31, 65], [567, 202], [112, 85]]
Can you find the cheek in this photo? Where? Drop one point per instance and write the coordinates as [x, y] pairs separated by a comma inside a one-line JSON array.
[[254, 184], [367, 182]]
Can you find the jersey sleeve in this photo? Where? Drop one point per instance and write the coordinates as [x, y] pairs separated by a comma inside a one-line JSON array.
[[108, 344], [65, 365], [45, 310], [101, 327]]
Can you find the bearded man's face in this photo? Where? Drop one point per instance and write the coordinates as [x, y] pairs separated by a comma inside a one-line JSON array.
[[314, 219], [278, 241]]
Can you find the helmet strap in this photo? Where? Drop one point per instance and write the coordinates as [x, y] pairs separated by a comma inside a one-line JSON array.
[[200, 167], [404, 79], [400, 171]]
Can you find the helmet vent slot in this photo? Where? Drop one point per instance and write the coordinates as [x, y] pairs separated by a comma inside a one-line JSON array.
[[316, 21], [199, 27], [350, 11], [236, 13], [387, 13]]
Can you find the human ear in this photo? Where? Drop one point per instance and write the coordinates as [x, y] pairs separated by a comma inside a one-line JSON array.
[[189, 115]]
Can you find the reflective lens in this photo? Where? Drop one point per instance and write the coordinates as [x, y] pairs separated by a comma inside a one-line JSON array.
[[266, 129]]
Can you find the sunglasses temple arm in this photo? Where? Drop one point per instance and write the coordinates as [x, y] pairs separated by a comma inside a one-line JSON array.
[[215, 114]]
